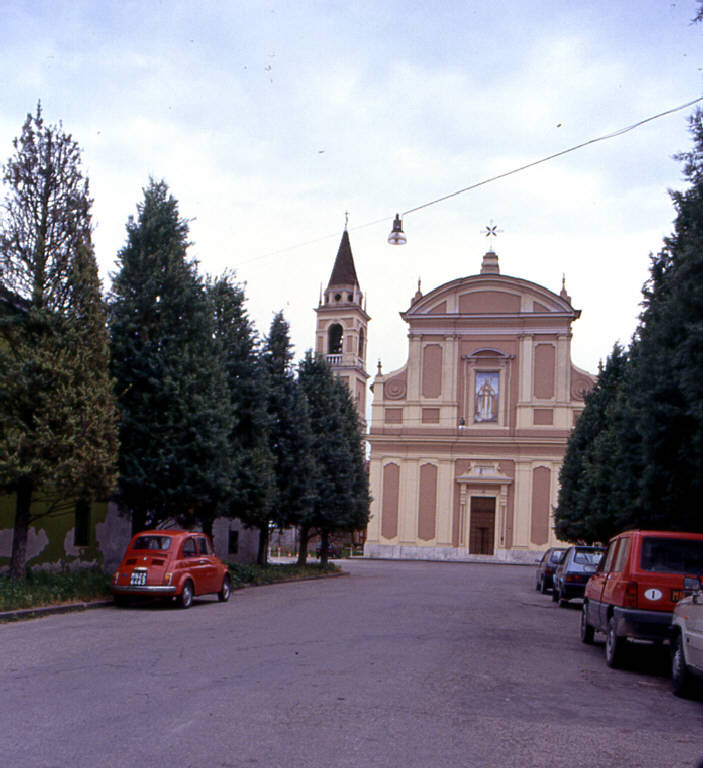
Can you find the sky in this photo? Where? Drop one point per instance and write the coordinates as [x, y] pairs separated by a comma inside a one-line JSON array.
[[270, 121]]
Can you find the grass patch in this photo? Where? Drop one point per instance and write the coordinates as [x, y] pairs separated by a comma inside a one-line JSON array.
[[82, 585], [53, 588], [251, 575]]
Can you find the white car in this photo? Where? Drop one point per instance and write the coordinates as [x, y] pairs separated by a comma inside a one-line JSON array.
[[687, 640]]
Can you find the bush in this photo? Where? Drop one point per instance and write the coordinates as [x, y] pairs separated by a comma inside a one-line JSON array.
[[52, 588], [250, 574]]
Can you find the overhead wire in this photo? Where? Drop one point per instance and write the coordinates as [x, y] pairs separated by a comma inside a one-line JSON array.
[[532, 164]]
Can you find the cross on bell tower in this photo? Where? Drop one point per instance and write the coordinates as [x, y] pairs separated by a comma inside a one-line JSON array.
[[341, 332]]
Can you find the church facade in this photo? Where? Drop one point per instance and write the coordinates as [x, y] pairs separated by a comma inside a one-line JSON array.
[[467, 438]]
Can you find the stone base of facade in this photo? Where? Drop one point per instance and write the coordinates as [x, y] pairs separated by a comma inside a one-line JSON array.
[[449, 554]]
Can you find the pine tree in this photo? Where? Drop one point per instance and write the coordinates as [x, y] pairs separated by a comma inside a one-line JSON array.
[[58, 435], [175, 416]]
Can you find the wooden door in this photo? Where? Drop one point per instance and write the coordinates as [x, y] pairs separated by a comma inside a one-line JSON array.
[[482, 526]]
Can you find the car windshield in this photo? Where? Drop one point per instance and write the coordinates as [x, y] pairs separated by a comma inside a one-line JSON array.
[[587, 557], [162, 543], [672, 555]]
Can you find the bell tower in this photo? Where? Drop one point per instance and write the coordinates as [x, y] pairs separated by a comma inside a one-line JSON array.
[[341, 332]]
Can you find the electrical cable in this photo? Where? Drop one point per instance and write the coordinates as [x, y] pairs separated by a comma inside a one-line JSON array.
[[612, 135]]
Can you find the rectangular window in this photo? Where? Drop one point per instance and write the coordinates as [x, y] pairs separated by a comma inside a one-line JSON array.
[[81, 525], [672, 555], [622, 555], [486, 393]]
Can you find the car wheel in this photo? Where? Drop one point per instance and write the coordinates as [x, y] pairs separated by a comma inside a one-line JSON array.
[[543, 586], [681, 679], [613, 646], [223, 594], [555, 594], [563, 602], [586, 630], [185, 599]]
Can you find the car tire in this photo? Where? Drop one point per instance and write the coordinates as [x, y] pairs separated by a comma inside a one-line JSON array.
[[224, 593], [613, 646], [543, 586], [185, 599], [563, 602], [555, 594], [586, 631], [681, 679]]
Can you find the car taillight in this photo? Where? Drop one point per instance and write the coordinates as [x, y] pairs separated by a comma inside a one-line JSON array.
[[630, 596], [573, 577]]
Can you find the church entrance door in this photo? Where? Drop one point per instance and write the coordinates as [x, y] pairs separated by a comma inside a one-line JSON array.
[[483, 520]]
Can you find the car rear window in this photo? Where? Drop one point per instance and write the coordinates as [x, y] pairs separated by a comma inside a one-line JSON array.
[[162, 543], [557, 556], [672, 555], [586, 557]]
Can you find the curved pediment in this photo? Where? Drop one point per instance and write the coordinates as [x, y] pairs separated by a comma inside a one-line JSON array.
[[484, 295]]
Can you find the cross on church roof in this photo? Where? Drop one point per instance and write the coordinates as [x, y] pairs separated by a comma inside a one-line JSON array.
[[491, 231]]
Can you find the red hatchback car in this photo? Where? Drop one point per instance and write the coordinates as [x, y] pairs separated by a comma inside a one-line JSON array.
[[170, 564], [638, 582]]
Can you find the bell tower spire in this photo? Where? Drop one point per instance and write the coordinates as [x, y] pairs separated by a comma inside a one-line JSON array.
[[341, 329]]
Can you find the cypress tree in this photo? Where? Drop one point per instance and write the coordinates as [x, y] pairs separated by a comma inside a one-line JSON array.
[[175, 418], [290, 438], [340, 481], [252, 469]]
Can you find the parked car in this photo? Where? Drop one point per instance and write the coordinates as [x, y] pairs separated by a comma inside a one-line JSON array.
[[547, 565], [170, 564], [576, 567], [633, 592], [687, 640], [333, 550]]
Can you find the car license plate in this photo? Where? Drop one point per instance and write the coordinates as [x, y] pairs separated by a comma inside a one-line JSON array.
[[677, 594], [138, 579]]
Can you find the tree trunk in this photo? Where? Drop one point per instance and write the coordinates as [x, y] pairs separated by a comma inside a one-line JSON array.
[[303, 536], [261, 557], [21, 532], [324, 547]]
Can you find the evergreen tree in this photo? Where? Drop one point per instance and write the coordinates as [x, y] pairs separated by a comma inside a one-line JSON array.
[[638, 462], [584, 511], [341, 496], [175, 415], [664, 389], [290, 438], [58, 434], [252, 492]]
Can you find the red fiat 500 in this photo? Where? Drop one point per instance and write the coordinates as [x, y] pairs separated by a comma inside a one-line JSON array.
[[178, 564]]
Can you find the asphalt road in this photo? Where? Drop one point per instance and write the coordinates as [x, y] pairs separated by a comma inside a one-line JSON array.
[[398, 664]]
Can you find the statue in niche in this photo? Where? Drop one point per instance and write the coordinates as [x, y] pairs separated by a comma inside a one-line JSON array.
[[486, 397]]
